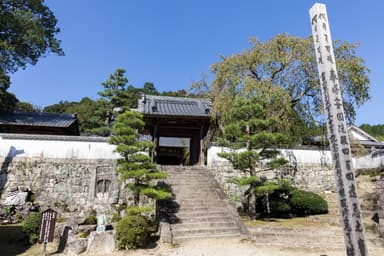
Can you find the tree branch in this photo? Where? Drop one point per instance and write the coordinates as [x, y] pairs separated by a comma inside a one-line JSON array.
[[253, 73]]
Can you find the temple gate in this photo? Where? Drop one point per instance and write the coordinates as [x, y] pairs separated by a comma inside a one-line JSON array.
[[176, 117]]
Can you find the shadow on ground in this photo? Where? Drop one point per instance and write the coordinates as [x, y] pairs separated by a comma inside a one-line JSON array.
[[12, 240]]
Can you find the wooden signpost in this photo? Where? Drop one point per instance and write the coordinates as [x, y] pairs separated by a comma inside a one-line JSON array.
[[47, 227], [337, 134]]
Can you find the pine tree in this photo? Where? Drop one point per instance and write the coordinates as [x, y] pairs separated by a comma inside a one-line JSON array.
[[135, 167], [254, 124]]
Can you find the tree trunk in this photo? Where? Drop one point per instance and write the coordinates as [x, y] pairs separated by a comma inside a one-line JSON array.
[[267, 203], [136, 198], [252, 203]]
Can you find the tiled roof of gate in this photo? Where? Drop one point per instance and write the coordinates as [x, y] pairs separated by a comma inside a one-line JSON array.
[[37, 119], [174, 106]]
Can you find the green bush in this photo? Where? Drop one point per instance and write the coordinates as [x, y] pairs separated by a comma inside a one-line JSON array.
[[92, 218], [280, 208], [115, 217], [307, 203], [132, 232], [31, 225]]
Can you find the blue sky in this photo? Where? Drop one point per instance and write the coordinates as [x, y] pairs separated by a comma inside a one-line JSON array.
[[172, 42]]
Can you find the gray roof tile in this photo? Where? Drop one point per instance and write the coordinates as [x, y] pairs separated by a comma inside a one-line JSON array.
[[37, 119], [174, 106]]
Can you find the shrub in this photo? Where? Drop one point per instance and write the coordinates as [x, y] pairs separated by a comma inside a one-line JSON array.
[[92, 218], [280, 208], [307, 203], [116, 217], [131, 232], [83, 234], [31, 225]]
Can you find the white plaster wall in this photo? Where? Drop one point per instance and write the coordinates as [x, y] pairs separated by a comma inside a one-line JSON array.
[[18, 148], [320, 157], [302, 157], [368, 162]]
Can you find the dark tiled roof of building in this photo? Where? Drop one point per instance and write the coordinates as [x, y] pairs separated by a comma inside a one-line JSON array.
[[174, 106], [37, 119]]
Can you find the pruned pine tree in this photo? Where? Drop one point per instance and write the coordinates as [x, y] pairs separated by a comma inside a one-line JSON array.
[[135, 167], [255, 128]]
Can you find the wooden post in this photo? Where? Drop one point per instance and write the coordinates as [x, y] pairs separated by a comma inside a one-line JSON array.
[[155, 142], [337, 134], [45, 249], [201, 151]]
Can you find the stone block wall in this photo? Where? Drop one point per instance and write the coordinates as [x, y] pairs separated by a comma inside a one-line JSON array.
[[68, 184], [380, 204], [315, 178]]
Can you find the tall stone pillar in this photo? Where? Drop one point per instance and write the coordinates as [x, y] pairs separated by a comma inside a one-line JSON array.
[[337, 134]]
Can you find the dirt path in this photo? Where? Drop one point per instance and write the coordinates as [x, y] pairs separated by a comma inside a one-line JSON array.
[[225, 247]]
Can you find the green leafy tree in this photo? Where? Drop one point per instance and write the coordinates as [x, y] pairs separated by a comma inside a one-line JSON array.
[[289, 62], [115, 98], [86, 110], [115, 88], [27, 107], [150, 89], [27, 32], [254, 123], [61, 107], [135, 167]]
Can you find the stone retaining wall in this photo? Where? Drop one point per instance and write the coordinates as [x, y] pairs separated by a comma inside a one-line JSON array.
[[69, 184], [380, 204], [313, 178]]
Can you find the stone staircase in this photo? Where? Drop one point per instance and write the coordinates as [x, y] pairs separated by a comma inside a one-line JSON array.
[[199, 208]]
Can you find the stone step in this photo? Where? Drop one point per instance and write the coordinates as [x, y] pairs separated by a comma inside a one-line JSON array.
[[176, 175], [194, 186], [297, 232], [197, 189], [204, 232], [200, 209], [193, 214], [298, 241], [200, 215], [203, 225], [192, 202], [210, 218], [195, 195], [180, 239]]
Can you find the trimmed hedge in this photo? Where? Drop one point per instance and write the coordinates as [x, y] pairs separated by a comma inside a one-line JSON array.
[[307, 203], [132, 232], [280, 208], [287, 201]]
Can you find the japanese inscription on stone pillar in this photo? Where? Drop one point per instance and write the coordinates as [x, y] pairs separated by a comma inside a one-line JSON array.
[[337, 133]]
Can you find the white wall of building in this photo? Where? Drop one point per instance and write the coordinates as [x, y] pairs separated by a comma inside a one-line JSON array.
[[303, 157], [21, 148]]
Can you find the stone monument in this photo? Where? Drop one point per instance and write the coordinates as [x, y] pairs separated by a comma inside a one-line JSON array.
[[337, 133]]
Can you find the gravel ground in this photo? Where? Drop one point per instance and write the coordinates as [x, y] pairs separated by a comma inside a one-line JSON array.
[[225, 247]]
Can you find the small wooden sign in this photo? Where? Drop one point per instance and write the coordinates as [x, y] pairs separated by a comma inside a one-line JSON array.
[[47, 226]]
